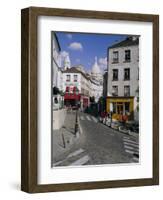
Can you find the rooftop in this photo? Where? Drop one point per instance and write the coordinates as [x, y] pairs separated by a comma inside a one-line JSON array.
[[129, 41], [75, 70], [55, 36]]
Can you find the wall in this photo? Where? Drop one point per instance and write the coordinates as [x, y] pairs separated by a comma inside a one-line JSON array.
[[58, 118], [121, 65], [57, 74], [10, 100], [71, 82]]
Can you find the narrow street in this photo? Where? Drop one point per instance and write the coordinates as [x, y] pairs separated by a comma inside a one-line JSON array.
[[99, 144]]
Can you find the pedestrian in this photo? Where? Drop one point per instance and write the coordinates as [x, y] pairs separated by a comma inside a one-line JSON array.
[[121, 117], [102, 115], [125, 119]]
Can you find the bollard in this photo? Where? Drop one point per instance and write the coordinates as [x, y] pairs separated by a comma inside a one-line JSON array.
[[110, 119], [63, 139]]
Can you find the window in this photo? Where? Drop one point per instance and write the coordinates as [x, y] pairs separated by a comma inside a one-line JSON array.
[[75, 90], [115, 74], [127, 74], [55, 100], [127, 90], [127, 107], [67, 89], [68, 78], [75, 78], [119, 108], [127, 55], [115, 56], [114, 107], [115, 90]]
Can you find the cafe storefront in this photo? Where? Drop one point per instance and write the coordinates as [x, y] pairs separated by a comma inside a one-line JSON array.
[[120, 106], [71, 97]]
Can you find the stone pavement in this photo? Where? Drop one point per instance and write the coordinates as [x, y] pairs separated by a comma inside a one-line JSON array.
[[97, 144], [65, 137]]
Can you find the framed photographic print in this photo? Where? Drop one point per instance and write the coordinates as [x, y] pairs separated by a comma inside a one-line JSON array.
[[90, 99]]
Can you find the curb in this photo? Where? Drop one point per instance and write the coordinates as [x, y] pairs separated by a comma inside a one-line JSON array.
[[80, 128], [136, 135]]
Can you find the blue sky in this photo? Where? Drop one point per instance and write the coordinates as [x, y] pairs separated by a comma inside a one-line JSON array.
[[83, 47]]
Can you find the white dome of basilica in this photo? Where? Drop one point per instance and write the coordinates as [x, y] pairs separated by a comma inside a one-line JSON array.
[[96, 68], [96, 74]]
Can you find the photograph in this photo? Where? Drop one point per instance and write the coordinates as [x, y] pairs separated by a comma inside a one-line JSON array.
[[95, 99]]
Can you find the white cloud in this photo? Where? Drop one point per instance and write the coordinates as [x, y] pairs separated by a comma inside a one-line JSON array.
[[75, 46], [103, 63], [69, 36], [64, 54]]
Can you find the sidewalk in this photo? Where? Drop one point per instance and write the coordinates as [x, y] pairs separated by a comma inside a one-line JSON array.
[[115, 126], [65, 137]]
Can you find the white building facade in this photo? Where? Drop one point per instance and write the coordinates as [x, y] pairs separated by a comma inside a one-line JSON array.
[[123, 77], [76, 87], [56, 73], [96, 81], [96, 90], [56, 62]]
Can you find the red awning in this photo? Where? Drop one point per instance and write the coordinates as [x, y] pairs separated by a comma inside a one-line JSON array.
[[67, 89], [72, 96], [74, 89]]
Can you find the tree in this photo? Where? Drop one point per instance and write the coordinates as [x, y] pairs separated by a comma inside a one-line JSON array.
[[92, 99], [55, 91], [61, 93], [102, 103]]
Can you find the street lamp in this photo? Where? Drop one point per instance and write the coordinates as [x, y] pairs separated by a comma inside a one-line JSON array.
[[77, 93], [76, 120], [76, 124]]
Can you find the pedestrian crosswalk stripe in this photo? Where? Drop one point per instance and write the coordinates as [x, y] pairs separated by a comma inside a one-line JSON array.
[[131, 147], [136, 151], [126, 138], [129, 151], [88, 118], [94, 119], [131, 141], [135, 159], [81, 117], [75, 153], [130, 144], [57, 163], [128, 147], [81, 161]]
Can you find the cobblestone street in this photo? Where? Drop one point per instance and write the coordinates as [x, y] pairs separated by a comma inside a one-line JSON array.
[[97, 144]]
